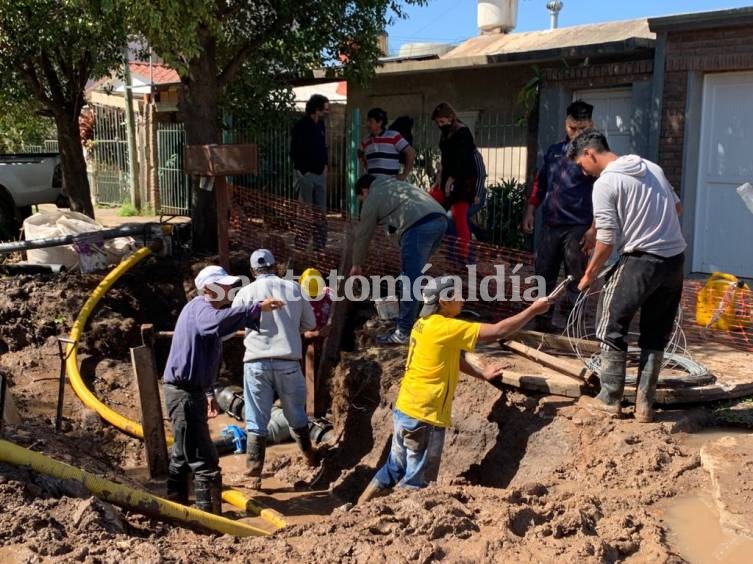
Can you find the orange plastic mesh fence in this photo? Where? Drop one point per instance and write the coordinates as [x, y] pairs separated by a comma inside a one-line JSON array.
[[716, 311]]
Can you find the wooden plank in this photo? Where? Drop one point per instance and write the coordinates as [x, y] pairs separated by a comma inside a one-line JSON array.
[[566, 367], [309, 371], [150, 411], [222, 195], [561, 342], [11, 416], [331, 346]]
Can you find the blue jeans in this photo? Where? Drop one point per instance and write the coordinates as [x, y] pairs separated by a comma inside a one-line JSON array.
[[416, 246], [261, 379], [312, 190], [415, 454]]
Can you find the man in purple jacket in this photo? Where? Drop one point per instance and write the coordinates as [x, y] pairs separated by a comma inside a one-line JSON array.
[[564, 192], [190, 373]]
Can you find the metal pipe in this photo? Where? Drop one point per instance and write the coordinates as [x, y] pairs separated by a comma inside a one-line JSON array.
[[88, 237], [554, 7]]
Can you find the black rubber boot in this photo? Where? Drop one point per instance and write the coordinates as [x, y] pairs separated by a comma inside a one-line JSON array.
[[648, 377], [256, 448], [209, 495], [612, 377], [177, 488], [303, 440]]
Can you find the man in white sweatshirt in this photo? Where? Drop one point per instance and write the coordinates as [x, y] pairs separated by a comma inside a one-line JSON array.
[[272, 363], [636, 208]]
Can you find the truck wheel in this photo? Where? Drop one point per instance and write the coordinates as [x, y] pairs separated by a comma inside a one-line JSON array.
[[8, 221]]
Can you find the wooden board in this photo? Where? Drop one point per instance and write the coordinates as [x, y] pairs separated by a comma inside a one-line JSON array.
[[150, 411], [11, 416], [731, 368], [563, 365]]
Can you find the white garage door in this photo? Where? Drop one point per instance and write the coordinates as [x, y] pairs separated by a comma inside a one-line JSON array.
[[723, 225], [613, 108]]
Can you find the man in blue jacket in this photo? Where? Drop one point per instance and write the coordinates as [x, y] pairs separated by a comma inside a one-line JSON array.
[[564, 192], [189, 376]]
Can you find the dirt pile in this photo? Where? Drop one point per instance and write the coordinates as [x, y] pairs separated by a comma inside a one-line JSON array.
[[523, 478]]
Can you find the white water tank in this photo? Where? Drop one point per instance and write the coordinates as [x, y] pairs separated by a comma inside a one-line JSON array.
[[497, 15]]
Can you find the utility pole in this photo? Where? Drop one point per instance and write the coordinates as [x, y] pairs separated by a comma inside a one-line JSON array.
[[133, 163]]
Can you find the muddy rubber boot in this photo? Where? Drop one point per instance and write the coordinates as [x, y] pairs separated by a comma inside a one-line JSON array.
[[648, 377], [256, 448], [373, 489], [303, 440], [177, 488], [209, 495], [612, 377]]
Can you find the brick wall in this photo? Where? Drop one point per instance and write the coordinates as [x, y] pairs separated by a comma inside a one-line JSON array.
[[601, 75], [710, 50]]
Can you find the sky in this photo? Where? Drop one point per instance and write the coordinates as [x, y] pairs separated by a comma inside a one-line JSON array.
[[452, 21]]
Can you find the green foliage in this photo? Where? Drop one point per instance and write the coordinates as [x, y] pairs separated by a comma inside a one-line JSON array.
[[127, 209], [505, 208], [254, 49], [21, 124]]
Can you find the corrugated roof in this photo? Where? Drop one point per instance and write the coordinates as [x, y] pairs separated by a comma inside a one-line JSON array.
[[162, 74], [561, 38]]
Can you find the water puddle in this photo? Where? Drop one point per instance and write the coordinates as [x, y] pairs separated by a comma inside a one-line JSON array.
[[697, 536], [694, 530], [697, 440]]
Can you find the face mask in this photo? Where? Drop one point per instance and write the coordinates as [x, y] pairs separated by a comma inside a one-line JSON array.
[[446, 128]]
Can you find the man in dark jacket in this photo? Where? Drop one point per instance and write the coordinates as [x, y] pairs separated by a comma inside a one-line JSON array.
[[564, 191], [308, 149], [189, 376]]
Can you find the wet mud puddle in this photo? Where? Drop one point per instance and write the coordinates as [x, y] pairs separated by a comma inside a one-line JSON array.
[[697, 536], [693, 521]]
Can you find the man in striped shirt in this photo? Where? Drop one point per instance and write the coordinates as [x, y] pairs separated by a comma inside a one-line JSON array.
[[380, 151]]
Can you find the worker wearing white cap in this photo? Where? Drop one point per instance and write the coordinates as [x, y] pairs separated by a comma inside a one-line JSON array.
[[272, 363], [190, 372]]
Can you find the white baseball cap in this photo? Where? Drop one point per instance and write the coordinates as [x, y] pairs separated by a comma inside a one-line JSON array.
[[214, 275], [261, 258]]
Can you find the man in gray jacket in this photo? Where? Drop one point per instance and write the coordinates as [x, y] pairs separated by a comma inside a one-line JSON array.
[[637, 208], [272, 363], [419, 222]]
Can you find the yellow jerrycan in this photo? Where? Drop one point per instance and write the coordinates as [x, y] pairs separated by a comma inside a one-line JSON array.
[[724, 303]]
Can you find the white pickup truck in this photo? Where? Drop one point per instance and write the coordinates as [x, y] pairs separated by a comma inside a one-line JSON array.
[[26, 180]]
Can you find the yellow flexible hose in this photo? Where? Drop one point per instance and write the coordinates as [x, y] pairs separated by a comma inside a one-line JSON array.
[[126, 425], [124, 496]]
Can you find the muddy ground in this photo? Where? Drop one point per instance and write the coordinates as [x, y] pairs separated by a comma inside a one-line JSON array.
[[524, 478]]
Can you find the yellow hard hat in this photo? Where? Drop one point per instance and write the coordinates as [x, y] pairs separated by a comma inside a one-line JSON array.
[[310, 282]]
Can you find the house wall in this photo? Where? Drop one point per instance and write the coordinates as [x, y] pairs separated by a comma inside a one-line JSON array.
[[559, 84], [484, 88], [690, 54]]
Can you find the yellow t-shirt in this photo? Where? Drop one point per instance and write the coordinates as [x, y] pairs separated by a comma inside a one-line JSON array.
[[431, 371]]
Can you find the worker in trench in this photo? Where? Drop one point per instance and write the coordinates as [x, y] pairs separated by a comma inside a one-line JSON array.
[[272, 363], [436, 355], [190, 373]]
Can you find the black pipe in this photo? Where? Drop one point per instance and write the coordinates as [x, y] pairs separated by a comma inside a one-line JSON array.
[[88, 237]]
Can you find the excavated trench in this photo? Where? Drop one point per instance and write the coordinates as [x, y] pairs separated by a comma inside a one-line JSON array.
[[523, 477]]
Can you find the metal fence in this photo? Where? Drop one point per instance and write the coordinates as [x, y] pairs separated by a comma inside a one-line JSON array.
[[275, 170], [174, 184], [109, 157]]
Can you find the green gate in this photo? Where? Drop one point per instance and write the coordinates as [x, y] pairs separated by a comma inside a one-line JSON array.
[[174, 184]]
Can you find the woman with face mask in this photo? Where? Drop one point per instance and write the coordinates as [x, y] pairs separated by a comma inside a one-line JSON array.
[[457, 182]]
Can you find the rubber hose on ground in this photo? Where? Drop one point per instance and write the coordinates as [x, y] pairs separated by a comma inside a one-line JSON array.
[[124, 496], [126, 425]]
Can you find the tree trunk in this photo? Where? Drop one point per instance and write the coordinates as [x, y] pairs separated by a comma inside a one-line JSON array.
[[199, 111], [75, 179]]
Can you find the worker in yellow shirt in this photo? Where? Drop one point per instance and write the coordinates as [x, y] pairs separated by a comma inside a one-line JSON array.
[[436, 355]]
